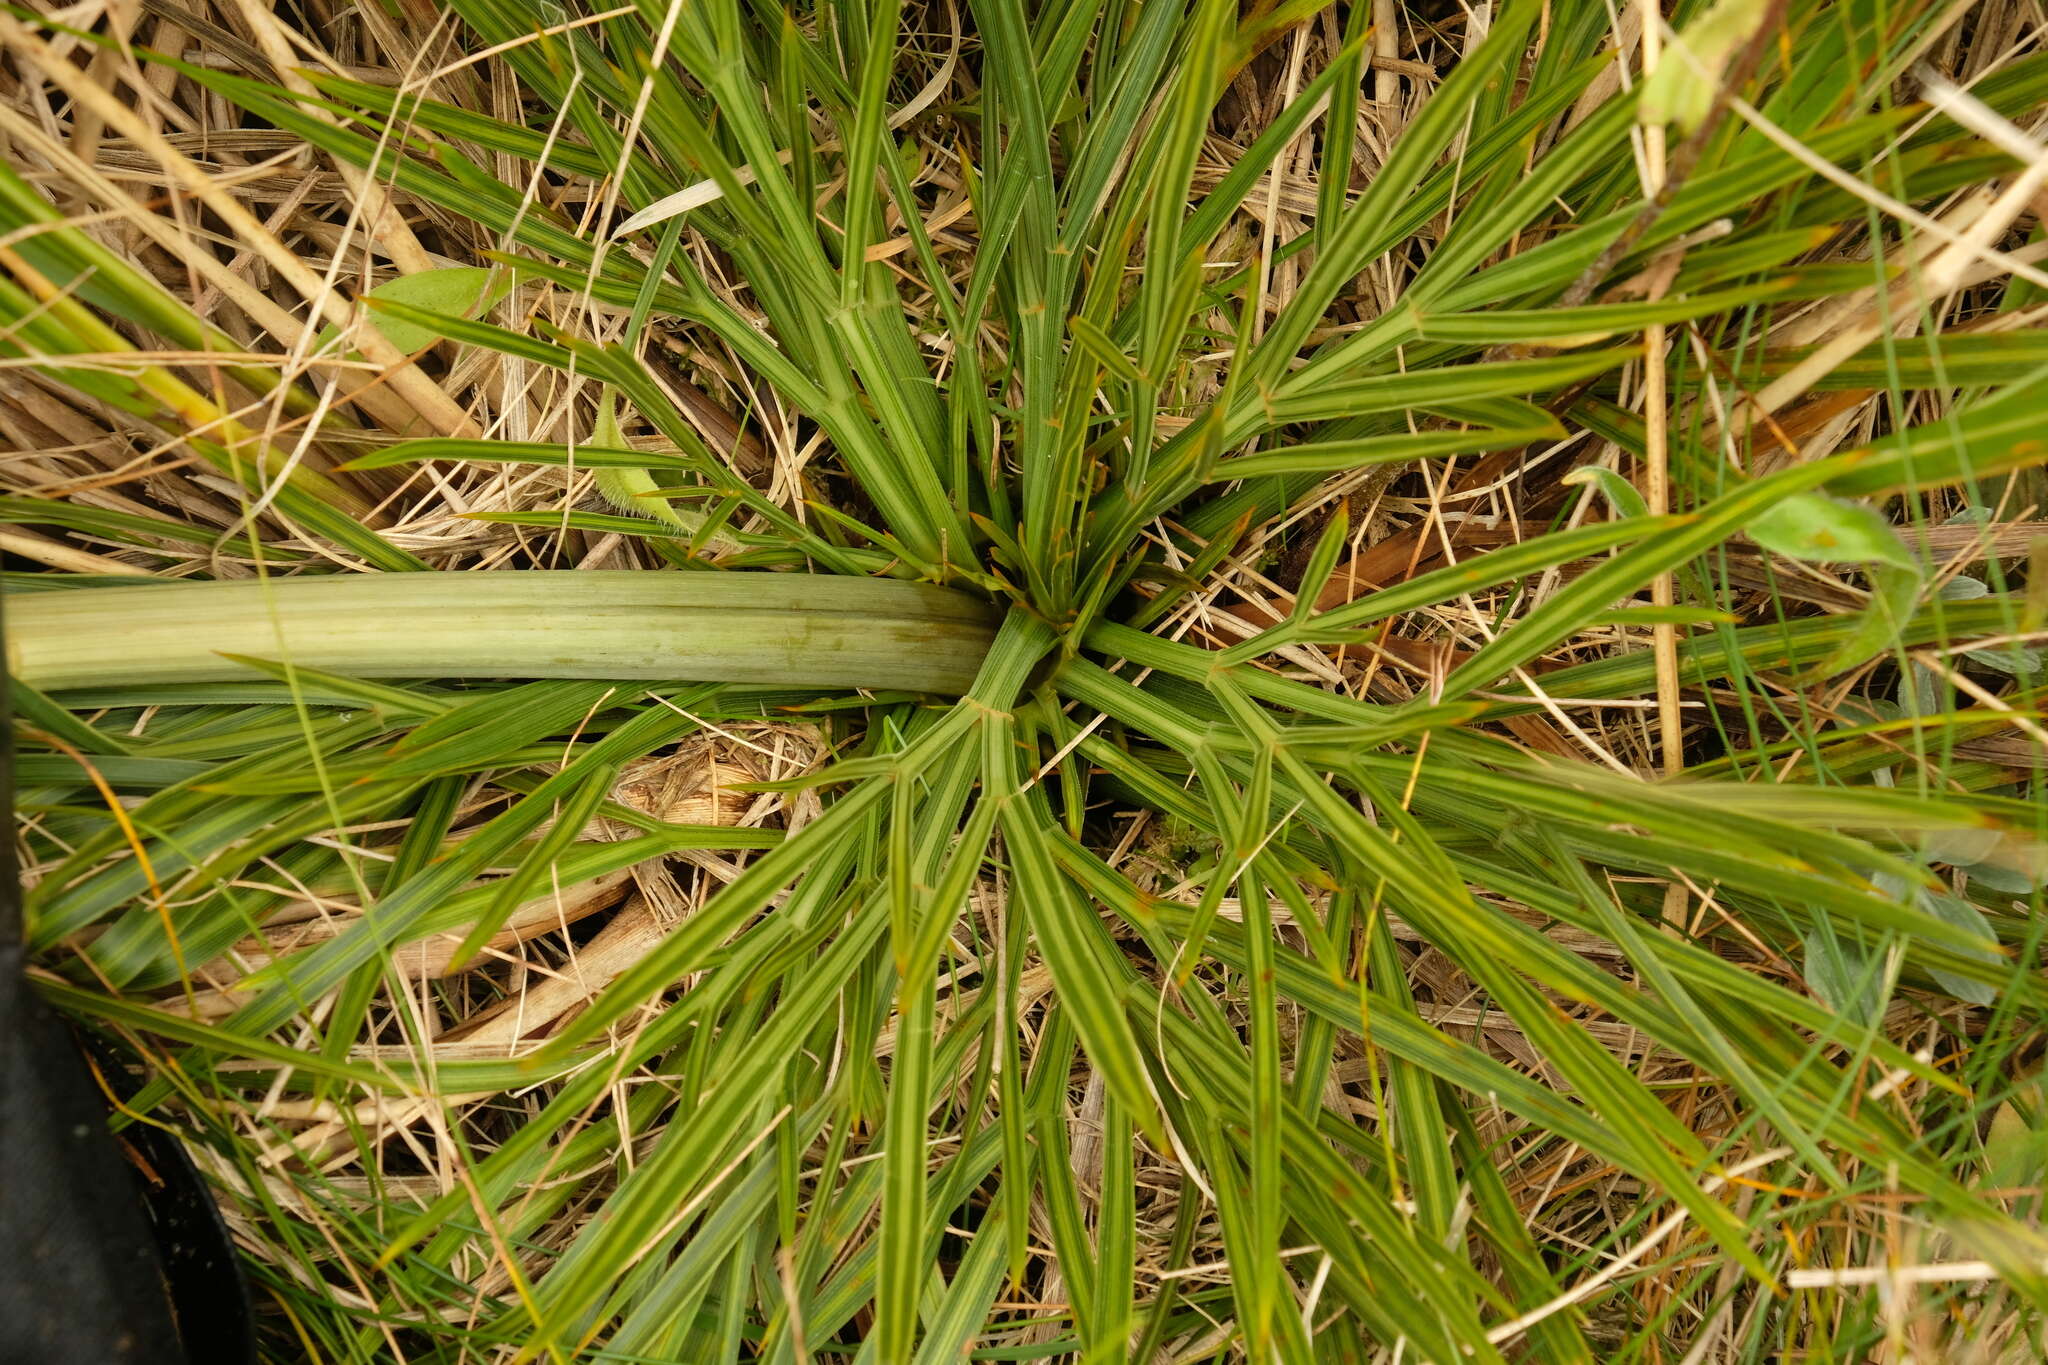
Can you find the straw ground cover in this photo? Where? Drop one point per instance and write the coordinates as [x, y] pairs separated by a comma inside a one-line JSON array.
[[1095, 681]]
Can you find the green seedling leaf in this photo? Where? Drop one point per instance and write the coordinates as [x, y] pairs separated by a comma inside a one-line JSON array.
[[1893, 594], [1959, 847], [1963, 915], [1683, 88], [2004, 880], [457, 291], [1844, 975], [2013, 660], [1964, 588], [2016, 1145], [1824, 530], [635, 491], [1623, 496]]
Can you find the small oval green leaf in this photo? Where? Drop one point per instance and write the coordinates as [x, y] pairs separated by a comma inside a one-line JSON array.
[[458, 291], [1825, 530]]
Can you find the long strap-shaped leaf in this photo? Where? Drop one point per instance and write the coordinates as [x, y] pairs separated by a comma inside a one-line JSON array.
[[701, 627]]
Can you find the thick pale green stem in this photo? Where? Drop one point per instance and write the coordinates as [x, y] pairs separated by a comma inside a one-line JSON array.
[[795, 629]]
